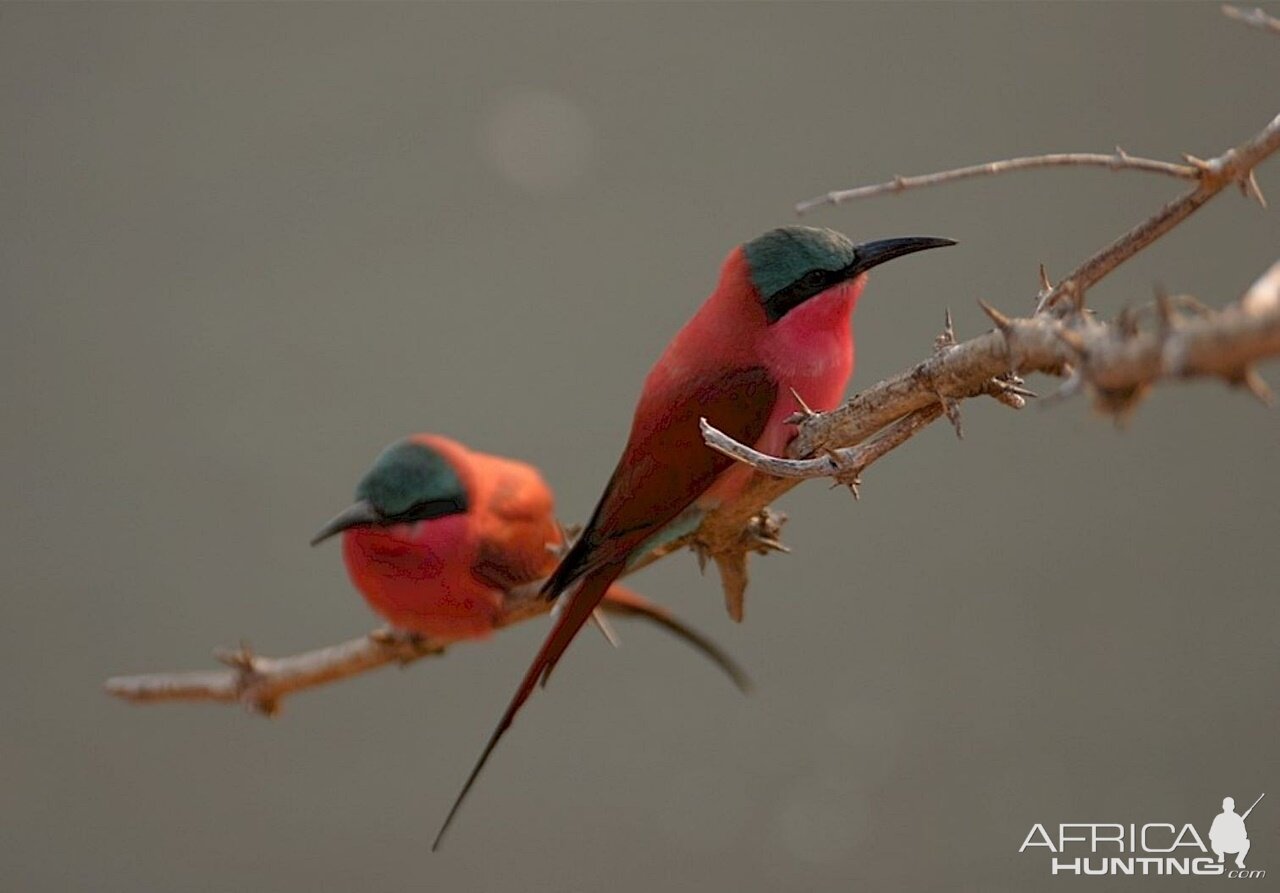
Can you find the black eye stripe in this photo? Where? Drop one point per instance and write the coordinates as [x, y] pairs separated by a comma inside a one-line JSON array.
[[433, 508], [814, 282]]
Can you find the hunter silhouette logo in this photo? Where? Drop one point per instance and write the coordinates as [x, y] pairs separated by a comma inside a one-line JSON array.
[[1098, 849], [1228, 833]]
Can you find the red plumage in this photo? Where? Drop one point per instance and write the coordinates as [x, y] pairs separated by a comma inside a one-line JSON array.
[[737, 363]]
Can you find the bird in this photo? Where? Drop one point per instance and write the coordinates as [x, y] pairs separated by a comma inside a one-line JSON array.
[[774, 337], [439, 534]]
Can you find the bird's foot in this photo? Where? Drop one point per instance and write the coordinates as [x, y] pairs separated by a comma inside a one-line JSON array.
[[702, 552], [763, 533], [1010, 389], [404, 644]]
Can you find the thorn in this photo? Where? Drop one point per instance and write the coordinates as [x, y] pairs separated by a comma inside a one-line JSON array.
[[569, 534], [1124, 156], [763, 545], [805, 410], [1120, 403], [733, 580], [241, 658], [1045, 284], [1255, 384], [842, 474], [266, 706], [561, 548], [1127, 322], [952, 410], [948, 336], [1250, 189], [1165, 311], [1072, 289], [1003, 323], [852, 483], [804, 414], [1071, 338], [1204, 167], [1173, 354], [606, 628], [1189, 302]]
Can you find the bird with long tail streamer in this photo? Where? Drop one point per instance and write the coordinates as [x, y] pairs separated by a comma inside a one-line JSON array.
[[776, 330]]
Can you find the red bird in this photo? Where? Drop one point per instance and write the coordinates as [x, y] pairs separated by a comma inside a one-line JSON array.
[[778, 321], [440, 533]]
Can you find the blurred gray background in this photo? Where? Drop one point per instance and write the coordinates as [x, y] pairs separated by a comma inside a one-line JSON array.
[[245, 247]]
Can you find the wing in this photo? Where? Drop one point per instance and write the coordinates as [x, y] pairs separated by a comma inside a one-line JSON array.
[[666, 465], [516, 524], [663, 469]]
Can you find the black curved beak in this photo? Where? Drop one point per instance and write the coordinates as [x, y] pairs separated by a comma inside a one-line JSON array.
[[873, 254], [361, 513]]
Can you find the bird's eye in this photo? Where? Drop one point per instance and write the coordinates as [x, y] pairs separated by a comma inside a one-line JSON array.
[[815, 278]]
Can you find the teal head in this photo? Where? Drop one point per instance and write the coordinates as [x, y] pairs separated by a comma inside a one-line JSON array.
[[408, 482], [792, 264]]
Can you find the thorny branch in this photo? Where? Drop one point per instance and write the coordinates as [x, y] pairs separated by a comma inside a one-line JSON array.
[[1117, 362], [1255, 18]]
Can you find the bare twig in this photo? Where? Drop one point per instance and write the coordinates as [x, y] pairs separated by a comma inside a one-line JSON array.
[[1120, 161], [1254, 18], [261, 683]]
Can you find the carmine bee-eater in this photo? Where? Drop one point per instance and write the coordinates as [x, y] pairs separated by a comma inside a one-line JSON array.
[[439, 533], [778, 324]]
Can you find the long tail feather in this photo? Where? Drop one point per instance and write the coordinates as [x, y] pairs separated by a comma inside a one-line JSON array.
[[620, 600], [570, 621]]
